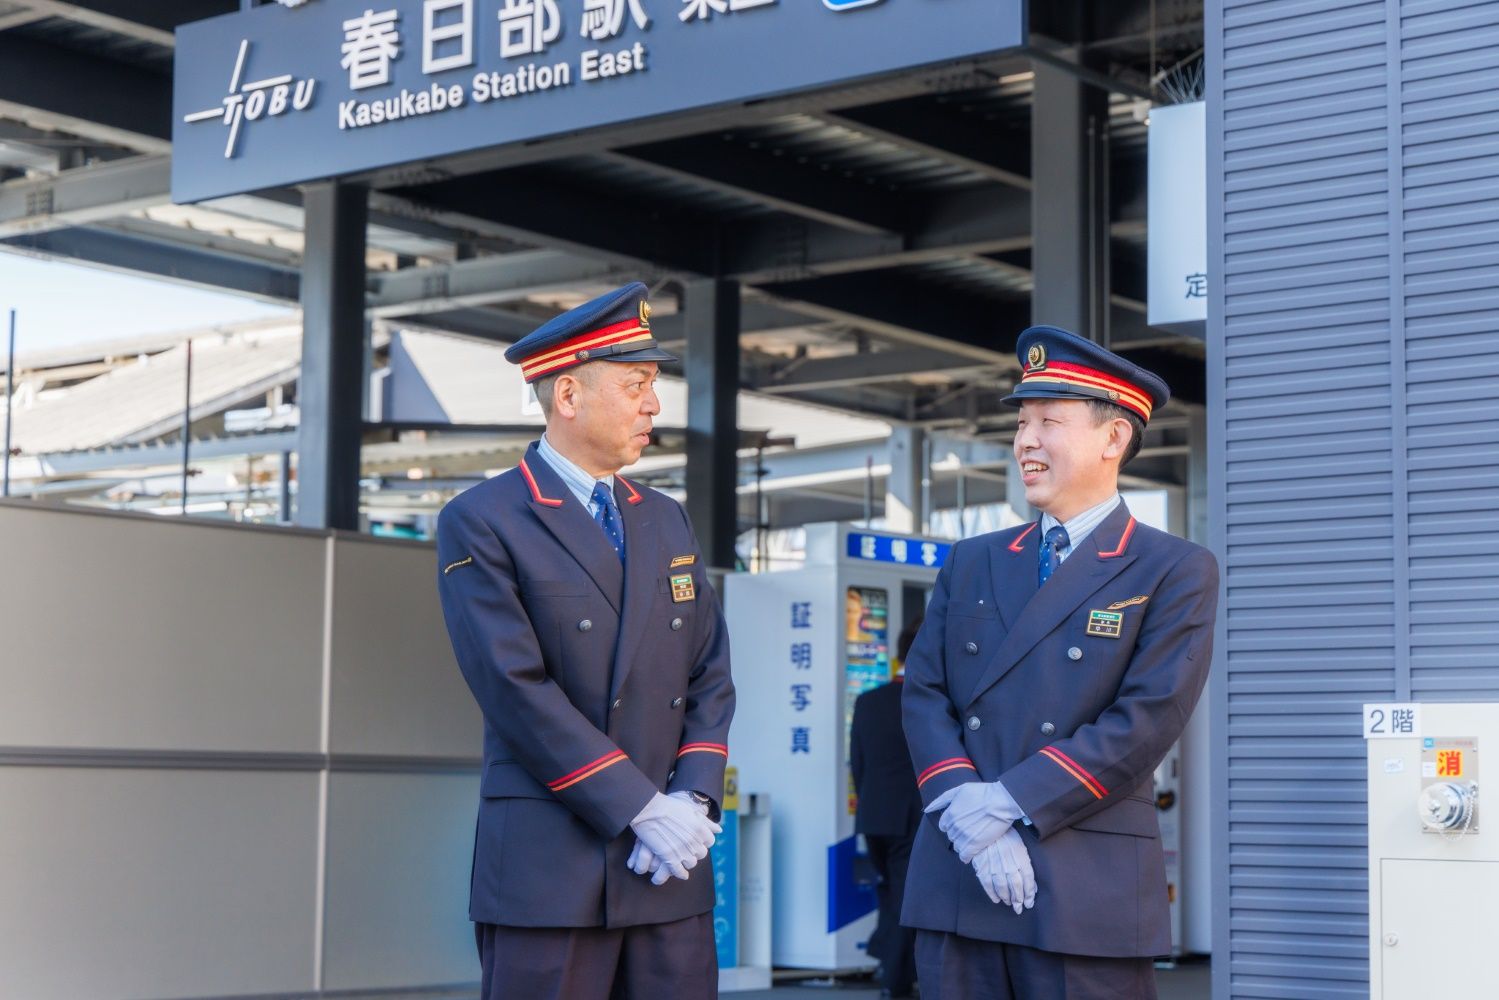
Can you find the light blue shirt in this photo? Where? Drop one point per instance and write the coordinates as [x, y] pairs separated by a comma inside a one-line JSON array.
[[1080, 527], [580, 483]]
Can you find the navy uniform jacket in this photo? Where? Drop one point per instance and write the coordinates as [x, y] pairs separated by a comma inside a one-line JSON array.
[[888, 805], [1005, 682], [600, 685]]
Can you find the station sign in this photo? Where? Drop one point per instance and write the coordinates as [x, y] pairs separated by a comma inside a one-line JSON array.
[[277, 95]]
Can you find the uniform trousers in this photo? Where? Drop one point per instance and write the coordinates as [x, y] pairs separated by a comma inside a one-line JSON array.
[[646, 962], [891, 856], [952, 967]]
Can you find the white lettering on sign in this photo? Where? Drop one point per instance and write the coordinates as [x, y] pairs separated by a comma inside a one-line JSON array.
[[442, 32], [702, 10], [358, 114], [371, 41], [596, 65], [528, 79], [254, 100], [528, 26], [1392, 721], [603, 19]]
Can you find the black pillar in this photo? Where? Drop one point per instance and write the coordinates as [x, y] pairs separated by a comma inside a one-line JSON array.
[[330, 394], [1069, 203], [712, 369]]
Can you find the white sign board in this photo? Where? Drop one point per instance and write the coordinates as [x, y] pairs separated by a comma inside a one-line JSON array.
[[1177, 219]]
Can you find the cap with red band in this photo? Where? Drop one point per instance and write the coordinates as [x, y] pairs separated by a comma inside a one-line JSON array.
[[612, 327], [1058, 364]]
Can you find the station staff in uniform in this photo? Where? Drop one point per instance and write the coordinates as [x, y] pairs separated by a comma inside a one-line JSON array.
[[1058, 663], [887, 813], [581, 617]]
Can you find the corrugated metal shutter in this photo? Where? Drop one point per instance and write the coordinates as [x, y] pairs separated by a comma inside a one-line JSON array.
[[1354, 221], [1305, 432], [1449, 108]]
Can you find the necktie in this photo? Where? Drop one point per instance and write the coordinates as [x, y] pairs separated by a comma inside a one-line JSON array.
[[1051, 553], [608, 518]]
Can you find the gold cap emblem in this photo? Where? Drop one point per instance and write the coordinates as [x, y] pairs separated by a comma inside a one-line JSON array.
[[1036, 357], [645, 314]]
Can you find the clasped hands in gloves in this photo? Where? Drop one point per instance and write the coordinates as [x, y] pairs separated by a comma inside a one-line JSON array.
[[673, 833], [979, 819]]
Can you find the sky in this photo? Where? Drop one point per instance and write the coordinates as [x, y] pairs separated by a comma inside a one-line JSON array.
[[59, 305]]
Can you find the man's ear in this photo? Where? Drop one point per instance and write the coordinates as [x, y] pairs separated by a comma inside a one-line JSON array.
[[1119, 437], [565, 399]]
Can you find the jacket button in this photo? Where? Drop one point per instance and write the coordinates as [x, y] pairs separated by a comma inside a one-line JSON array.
[[676, 703], [974, 723], [617, 702], [1047, 729], [676, 624], [1074, 653], [584, 625], [972, 647]]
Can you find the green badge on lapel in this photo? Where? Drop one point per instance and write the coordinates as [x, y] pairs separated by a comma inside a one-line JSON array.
[[682, 589], [1105, 623]]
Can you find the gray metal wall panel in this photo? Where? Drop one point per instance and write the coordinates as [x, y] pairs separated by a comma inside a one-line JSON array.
[[1354, 221], [1306, 431], [1449, 192]]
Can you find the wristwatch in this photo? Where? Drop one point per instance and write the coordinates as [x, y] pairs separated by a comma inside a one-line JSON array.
[[704, 800]]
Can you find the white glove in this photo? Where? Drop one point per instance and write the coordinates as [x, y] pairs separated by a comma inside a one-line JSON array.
[[675, 833], [643, 860], [978, 812], [1004, 870]]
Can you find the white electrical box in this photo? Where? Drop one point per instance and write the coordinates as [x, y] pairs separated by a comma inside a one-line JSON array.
[[1433, 853], [806, 644]]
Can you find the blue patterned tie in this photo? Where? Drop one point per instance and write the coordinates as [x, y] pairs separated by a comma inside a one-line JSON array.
[[608, 519], [1051, 553]]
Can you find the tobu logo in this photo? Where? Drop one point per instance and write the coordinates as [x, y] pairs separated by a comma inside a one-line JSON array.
[[255, 100], [847, 4]]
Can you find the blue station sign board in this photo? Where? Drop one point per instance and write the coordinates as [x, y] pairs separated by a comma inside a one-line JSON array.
[[277, 95]]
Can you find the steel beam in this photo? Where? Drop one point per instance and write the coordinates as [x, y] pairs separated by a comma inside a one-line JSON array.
[[712, 368], [51, 86], [137, 255], [944, 132], [867, 368], [482, 280], [331, 390], [84, 195]]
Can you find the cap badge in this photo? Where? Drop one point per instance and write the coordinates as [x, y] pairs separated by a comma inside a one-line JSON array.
[[645, 314], [1035, 358]]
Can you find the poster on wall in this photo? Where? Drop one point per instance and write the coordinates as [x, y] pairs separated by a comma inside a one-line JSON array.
[[866, 662]]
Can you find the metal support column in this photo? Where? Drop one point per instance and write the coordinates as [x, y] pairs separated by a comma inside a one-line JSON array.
[[903, 494], [331, 391], [712, 369], [1070, 203]]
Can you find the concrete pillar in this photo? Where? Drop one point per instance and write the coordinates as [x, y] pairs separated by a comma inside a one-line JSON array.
[[904, 501], [711, 308], [330, 393]]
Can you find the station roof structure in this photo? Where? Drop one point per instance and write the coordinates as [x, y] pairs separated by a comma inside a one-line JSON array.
[[881, 231]]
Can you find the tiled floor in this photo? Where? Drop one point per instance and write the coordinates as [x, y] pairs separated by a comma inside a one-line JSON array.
[[1186, 982]]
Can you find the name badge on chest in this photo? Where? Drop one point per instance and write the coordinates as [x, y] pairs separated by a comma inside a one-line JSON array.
[[683, 589], [1106, 624]]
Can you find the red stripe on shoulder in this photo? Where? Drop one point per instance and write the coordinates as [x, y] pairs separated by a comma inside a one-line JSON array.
[[525, 471], [1015, 545], [1129, 529]]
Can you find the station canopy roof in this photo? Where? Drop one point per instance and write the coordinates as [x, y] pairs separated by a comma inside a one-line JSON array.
[[881, 231]]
